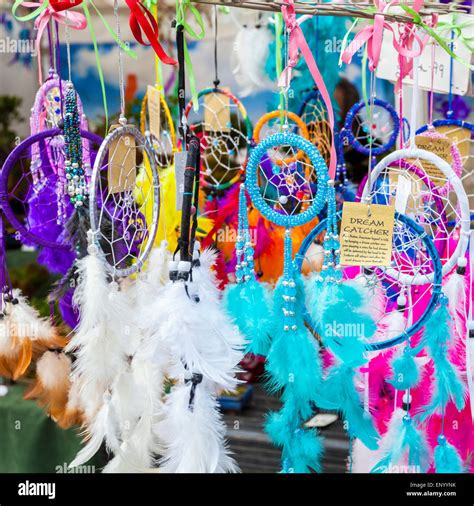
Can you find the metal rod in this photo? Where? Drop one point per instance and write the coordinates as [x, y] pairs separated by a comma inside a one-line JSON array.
[[355, 9]]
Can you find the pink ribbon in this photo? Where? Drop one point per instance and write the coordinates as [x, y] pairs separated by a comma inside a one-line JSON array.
[[297, 42], [373, 35], [75, 20]]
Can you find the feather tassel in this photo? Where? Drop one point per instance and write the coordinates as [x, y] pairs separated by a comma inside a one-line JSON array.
[[447, 458], [402, 445]]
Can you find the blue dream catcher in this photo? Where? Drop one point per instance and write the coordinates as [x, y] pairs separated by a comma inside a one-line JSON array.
[[293, 365], [372, 130]]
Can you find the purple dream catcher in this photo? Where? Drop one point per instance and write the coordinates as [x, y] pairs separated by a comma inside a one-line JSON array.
[[34, 191]]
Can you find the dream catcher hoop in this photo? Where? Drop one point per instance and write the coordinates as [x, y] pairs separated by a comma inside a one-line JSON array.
[[313, 113], [413, 234], [19, 191], [448, 175], [224, 144], [165, 146], [375, 137], [130, 237], [461, 134]]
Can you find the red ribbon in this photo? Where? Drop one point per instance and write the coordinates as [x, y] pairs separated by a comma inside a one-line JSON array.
[[64, 5], [141, 19]]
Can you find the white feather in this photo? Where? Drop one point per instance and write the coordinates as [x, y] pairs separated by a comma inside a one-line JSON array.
[[103, 331], [194, 439], [251, 47], [455, 291], [363, 459]]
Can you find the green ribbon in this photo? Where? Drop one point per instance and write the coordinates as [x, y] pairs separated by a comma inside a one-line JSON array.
[[457, 28], [345, 39], [417, 20], [182, 7]]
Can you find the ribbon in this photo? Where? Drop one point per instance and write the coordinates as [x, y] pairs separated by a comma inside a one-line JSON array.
[[297, 42], [372, 36], [43, 13], [64, 5], [141, 19], [182, 6]]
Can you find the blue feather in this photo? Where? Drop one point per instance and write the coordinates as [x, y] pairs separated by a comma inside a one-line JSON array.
[[447, 458], [293, 363], [402, 438], [339, 393], [406, 373], [344, 328], [248, 304], [447, 383]]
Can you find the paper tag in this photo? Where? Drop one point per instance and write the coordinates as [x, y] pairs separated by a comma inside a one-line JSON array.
[[441, 148], [461, 137], [217, 112], [122, 167], [388, 69], [366, 234], [180, 158], [402, 194], [154, 111]]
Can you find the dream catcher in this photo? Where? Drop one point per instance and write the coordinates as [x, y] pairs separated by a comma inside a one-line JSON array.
[[415, 281], [371, 130], [251, 49], [199, 355], [107, 339]]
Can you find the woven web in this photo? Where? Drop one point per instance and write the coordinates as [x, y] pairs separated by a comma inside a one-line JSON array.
[[464, 140], [285, 177], [224, 144], [426, 204], [124, 211], [409, 256], [375, 130], [319, 129], [36, 190]]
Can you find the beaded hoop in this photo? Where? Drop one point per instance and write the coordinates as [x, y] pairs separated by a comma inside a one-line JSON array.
[[436, 292], [303, 131], [463, 204], [131, 238], [348, 136], [316, 161]]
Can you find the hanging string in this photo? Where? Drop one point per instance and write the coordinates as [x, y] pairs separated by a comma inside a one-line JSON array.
[[120, 62], [430, 113], [51, 50], [450, 112], [216, 80]]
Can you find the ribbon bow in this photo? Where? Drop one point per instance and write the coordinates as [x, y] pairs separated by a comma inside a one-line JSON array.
[[142, 19], [44, 12], [297, 42], [372, 35], [182, 6]]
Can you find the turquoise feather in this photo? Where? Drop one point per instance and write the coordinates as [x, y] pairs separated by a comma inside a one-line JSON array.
[[344, 328], [293, 363], [339, 393], [447, 383], [302, 448], [447, 458], [404, 438], [249, 306], [406, 372]]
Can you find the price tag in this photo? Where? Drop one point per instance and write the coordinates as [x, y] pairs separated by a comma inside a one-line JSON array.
[[154, 111], [388, 69], [179, 168], [440, 147], [122, 167], [366, 234], [217, 112]]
